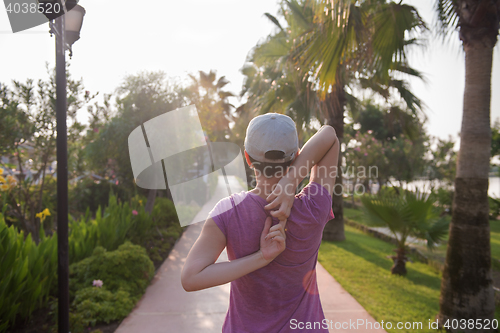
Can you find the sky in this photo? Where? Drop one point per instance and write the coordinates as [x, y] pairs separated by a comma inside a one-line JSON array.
[[180, 37]]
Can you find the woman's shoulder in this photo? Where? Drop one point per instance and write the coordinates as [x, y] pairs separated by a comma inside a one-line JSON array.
[[228, 203]]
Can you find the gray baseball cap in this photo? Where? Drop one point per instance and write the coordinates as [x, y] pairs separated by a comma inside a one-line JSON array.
[[272, 138]]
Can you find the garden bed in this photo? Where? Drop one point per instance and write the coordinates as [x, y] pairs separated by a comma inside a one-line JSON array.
[[154, 235]]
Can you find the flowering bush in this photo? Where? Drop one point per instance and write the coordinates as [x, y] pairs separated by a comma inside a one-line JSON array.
[[97, 283], [123, 275], [28, 270], [7, 183], [128, 268]]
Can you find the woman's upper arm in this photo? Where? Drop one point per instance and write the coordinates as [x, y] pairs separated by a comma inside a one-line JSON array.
[[325, 172], [205, 250]]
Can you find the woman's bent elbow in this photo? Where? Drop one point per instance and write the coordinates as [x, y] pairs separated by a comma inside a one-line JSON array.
[[185, 281], [187, 285]]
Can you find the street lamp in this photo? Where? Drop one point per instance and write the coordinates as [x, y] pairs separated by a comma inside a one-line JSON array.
[[73, 25], [67, 30]]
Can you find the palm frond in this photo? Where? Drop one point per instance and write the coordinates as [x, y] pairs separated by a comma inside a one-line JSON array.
[[407, 214], [299, 14], [447, 16], [274, 20], [384, 211], [412, 102]]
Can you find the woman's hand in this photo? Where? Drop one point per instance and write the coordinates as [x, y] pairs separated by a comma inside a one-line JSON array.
[[282, 196], [272, 239]]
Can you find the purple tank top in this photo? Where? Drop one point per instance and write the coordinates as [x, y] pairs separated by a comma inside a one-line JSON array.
[[285, 291]]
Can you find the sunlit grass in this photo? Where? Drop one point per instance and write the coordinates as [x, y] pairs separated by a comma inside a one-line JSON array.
[[361, 266], [438, 253]]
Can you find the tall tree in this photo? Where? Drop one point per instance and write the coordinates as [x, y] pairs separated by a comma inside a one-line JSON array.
[[332, 48], [29, 121], [386, 138], [212, 102], [362, 42], [466, 288], [141, 97]]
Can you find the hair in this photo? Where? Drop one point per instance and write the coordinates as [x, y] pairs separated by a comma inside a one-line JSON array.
[[268, 169]]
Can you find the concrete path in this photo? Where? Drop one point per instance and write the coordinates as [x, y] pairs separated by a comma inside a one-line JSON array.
[[166, 307]]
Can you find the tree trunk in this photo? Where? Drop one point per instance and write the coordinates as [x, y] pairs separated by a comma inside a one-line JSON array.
[[335, 102], [334, 230], [399, 267], [466, 287]]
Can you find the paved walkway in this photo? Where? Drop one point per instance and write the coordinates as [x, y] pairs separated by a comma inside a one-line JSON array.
[[166, 307]]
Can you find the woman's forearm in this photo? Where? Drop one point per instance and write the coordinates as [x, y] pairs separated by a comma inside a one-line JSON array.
[[222, 272], [312, 152]]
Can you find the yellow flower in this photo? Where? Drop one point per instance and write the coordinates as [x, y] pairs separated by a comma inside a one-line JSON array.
[[1, 171], [2, 180], [43, 214], [140, 202], [12, 181], [4, 187]]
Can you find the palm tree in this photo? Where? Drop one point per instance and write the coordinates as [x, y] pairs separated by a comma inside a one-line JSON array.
[[466, 288], [406, 214], [212, 103], [329, 49], [273, 82]]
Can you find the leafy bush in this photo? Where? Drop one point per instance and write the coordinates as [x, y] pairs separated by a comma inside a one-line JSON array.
[[128, 269], [82, 238], [164, 212], [109, 230], [94, 305], [27, 271]]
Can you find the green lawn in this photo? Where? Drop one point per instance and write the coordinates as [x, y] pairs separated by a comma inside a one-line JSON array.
[[360, 265], [439, 253], [355, 215]]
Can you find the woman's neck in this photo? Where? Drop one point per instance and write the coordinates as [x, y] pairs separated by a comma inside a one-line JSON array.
[[265, 186]]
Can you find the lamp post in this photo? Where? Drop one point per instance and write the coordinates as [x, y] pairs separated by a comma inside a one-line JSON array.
[[67, 30]]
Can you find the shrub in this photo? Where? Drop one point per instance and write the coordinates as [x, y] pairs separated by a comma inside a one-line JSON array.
[[109, 230], [128, 269], [28, 271], [164, 212], [94, 305]]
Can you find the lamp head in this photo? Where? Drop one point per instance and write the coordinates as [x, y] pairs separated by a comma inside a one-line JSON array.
[[73, 16], [73, 23]]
